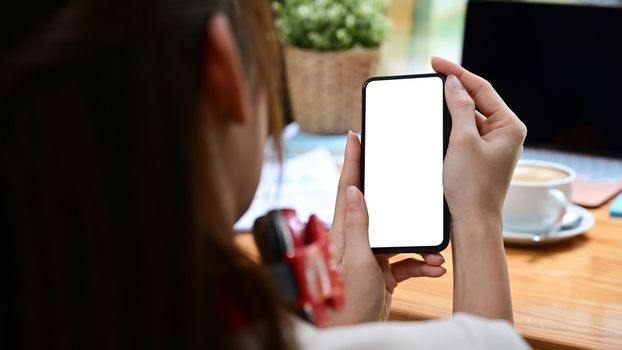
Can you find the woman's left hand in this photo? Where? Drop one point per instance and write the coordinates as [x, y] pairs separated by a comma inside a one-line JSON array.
[[369, 280]]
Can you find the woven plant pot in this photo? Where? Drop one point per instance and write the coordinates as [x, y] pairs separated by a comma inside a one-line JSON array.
[[325, 87]]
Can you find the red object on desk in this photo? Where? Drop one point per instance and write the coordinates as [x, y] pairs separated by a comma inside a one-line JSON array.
[[319, 283], [299, 257]]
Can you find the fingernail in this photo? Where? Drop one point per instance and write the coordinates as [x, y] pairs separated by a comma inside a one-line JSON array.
[[345, 151], [454, 84], [352, 134], [354, 198], [440, 257]]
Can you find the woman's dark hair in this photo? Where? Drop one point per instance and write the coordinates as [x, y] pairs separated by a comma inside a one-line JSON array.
[[110, 232]]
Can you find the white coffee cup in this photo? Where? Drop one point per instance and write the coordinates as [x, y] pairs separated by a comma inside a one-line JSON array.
[[538, 197]]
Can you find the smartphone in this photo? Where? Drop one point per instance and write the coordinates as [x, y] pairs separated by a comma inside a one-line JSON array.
[[404, 140]]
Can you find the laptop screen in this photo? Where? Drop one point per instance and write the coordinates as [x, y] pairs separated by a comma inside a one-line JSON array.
[[559, 67]]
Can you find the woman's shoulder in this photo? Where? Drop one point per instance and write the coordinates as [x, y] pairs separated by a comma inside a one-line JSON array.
[[463, 330]]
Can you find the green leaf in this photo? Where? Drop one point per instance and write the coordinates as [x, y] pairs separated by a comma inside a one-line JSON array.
[[327, 25]]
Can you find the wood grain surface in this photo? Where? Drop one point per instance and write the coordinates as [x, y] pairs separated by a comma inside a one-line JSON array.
[[565, 296]]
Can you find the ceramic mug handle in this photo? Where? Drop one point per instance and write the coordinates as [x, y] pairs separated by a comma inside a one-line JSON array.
[[561, 203]]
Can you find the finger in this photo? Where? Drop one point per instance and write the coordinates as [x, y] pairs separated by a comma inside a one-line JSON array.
[[482, 92], [480, 121], [350, 176], [387, 273], [385, 256], [356, 222], [433, 259], [461, 107], [408, 268]]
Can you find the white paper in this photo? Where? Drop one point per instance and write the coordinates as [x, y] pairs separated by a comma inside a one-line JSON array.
[[308, 185]]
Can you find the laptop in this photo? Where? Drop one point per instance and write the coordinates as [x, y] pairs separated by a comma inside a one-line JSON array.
[[559, 68]]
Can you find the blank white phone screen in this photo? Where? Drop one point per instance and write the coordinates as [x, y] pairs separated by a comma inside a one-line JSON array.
[[403, 162]]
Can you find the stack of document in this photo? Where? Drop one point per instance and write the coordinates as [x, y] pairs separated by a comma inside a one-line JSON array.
[[297, 142], [306, 183]]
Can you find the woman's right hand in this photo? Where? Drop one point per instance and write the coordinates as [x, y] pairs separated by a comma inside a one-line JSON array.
[[484, 145]]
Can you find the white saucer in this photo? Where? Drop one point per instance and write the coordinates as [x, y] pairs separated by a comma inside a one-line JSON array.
[[525, 238]]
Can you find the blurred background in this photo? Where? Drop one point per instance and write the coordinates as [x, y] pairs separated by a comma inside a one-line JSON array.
[[426, 28], [421, 29], [555, 63]]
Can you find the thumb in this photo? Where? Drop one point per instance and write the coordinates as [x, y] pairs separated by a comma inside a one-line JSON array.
[[461, 107], [356, 221]]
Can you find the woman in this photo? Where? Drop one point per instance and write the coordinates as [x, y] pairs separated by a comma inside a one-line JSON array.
[[132, 136]]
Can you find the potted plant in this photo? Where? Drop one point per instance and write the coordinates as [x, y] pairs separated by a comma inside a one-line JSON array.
[[331, 48]]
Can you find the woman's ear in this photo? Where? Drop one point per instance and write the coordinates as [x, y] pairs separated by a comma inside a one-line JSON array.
[[224, 74]]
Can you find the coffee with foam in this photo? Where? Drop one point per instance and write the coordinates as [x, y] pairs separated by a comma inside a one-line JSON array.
[[533, 173]]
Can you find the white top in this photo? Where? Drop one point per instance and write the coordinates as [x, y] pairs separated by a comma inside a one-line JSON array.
[[463, 331]]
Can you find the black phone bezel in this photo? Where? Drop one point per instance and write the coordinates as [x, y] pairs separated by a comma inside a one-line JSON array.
[[446, 128]]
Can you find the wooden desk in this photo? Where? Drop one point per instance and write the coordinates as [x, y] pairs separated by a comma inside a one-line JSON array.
[[566, 296]]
